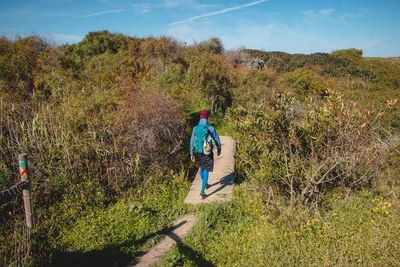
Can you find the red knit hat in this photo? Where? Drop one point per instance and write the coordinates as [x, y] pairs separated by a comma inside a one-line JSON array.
[[204, 114]]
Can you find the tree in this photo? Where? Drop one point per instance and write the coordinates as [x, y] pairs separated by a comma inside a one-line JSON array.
[[213, 45], [22, 64], [348, 53], [97, 43], [208, 73]]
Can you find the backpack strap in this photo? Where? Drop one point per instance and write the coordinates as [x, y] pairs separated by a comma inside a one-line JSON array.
[[194, 132], [208, 133]]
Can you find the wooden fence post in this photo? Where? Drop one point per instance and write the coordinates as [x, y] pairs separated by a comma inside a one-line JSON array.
[[26, 193]]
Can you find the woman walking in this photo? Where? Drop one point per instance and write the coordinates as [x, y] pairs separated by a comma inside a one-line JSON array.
[[200, 143]]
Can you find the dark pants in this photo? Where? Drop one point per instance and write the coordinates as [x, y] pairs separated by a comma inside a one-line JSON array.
[[206, 165], [206, 161]]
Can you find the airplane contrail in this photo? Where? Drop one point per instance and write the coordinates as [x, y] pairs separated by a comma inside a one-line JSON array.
[[102, 13], [218, 12]]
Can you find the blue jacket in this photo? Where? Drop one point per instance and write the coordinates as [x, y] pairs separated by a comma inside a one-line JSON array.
[[213, 133]]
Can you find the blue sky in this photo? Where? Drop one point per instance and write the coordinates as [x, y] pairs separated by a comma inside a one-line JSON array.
[[292, 26]]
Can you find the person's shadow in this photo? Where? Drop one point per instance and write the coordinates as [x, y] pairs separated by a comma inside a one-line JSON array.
[[113, 256], [190, 253], [223, 182]]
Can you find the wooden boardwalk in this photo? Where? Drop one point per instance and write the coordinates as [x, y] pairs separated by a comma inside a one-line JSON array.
[[221, 185], [220, 180]]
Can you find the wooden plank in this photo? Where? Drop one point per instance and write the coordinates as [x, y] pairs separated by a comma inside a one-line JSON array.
[[220, 180]]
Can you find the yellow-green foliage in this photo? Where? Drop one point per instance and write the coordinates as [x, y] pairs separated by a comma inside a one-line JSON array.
[[108, 119], [119, 232], [23, 65], [306, 148], [357, 229], [254, 87], [129, 220], [208, 74], [97, 43], [383, 74], [213, 45], [305, 81], [351, 54], [90, 132], [283, 62]]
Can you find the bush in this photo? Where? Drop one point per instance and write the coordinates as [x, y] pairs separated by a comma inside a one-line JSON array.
[[306, 82], [96, 43], [208, 75], [213, 45], [24, 63], [255, 87], [284, 62], [93, 138], [306, 150], [119, 232], [349, 54]]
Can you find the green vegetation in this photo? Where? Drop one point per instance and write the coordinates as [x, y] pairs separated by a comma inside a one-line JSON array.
[[357, 229], [106, 125], [114, 235]]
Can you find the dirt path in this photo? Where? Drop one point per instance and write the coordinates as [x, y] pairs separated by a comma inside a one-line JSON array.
[[180, 228], [221, 185]]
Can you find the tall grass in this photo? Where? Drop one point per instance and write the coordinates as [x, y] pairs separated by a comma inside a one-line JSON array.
[[359, 228]]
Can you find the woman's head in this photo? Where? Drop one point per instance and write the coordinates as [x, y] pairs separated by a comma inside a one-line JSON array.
[[204, 114]]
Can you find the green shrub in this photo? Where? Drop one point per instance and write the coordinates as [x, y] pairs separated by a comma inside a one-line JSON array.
[[351, 54], [208, 75], [284, 62], [359, 228], [119, 232], [305, 82], [254, 87], [96, 43], [306, 149], [24, 64]]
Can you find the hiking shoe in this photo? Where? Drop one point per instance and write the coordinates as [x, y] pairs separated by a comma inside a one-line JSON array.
[[203, 196]]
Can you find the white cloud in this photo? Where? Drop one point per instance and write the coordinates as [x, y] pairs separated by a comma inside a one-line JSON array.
[[280, 37], [313, 19], [315, 14], [309, 12], [101, 13], [193, 4], [171, 4], [356, 14], [359, 13], [272, 37], [327, 12], [66, 38], [189, 34], [145, 6], [218, 12]]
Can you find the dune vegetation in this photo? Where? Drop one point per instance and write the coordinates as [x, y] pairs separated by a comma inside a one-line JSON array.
[[106, 125]]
